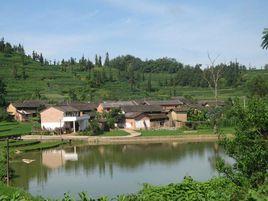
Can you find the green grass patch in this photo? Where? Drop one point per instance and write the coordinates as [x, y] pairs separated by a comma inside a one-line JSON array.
[[23, 143], [116, 132], [161, 132], [14, 193], [41, 146], [14, 128], [177, 132]]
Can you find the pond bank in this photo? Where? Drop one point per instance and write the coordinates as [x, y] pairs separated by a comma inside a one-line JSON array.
[[95, 140]]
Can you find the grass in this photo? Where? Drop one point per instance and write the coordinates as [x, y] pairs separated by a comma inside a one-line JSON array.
[[23, 143], [115, 133], [14, 128], [41, 146], [177, 132], [15, 193]]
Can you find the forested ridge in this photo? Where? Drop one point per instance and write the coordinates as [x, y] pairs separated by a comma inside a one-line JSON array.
[[123, 77]]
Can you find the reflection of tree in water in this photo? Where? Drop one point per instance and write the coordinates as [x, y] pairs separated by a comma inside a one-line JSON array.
[[106, 157], [132, 156], [25, 172]]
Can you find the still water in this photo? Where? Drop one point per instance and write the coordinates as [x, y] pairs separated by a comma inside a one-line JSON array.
[[113, 169]]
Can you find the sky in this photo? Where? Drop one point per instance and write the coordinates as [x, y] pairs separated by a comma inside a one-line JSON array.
[[186, 30]]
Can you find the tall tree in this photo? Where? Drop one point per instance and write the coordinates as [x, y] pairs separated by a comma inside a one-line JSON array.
[[107, 60], [212, 75], [149, 83], [3, 93], [265, 39], [96, 60], [100, 61]]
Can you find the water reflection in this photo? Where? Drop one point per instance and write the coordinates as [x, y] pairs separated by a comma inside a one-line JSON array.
[[113, 169], [56, 158]]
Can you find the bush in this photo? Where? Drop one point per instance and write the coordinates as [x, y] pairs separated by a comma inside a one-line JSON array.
[[4, 116]]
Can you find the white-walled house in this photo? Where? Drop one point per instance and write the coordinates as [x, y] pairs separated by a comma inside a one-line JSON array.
[[64, 116]]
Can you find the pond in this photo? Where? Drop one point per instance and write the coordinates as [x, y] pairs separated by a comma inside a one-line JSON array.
[[113, 169]]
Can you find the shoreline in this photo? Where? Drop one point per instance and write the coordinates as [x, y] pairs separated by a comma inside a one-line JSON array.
[[98, 140]]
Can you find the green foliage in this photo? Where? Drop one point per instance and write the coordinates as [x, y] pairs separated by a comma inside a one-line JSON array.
[[258, 86], [249, 147], [41, 146], [3, 93], [215, 189]]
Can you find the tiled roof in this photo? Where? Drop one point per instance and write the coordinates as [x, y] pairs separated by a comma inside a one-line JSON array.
[[157, 116], [165, 102], [142, 108], [29, 104], [84, 106], [117, 104], [66, 108]]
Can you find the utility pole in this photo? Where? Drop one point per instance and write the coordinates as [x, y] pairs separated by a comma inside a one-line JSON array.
[[7, 161]]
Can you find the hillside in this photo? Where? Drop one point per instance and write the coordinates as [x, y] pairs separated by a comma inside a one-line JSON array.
[[33, 79]]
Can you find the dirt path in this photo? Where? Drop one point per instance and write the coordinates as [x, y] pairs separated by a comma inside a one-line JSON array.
[[132, 133]]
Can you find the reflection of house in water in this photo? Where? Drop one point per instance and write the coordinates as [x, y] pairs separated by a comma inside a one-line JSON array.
[[56, 158]]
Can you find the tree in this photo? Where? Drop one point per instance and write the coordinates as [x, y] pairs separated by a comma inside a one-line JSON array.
[[212, 75], [258, 86], [264, 43], [3, 93], [24, 75], [149, 83], [72, 95], [249, 146], [96, 60], [36, 94], [15, 72], [107, 60], [100, 62]]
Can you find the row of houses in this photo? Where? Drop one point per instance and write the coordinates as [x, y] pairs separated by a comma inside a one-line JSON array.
[[75, 116]]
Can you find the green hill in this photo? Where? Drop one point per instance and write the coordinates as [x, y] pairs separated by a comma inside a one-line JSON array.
[[26, 78]]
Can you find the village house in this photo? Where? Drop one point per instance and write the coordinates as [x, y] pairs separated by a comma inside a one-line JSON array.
[[108, 105], [65, 117], [166, 105], [23, 111], [178, 116], [144, 117]]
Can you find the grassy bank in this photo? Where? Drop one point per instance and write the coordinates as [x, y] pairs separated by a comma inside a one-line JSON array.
[[177, 132], [115, 132], [41, 146], [14, 128]]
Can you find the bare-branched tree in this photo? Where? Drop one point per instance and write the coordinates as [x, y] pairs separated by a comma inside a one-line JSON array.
[[212, 74]]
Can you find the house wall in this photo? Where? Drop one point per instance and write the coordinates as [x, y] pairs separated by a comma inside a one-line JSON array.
[[178, 116], [11, 109], [139, 123], [20, 117], [83, 125], [143, 123], [51, 119], [130, 124]]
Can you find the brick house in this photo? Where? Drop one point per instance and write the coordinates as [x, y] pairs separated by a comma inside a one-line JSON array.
[[144, 116], [23, 111], [66, 117]]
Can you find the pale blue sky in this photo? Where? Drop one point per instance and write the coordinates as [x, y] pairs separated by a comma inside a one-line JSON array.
[[183, 29]]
